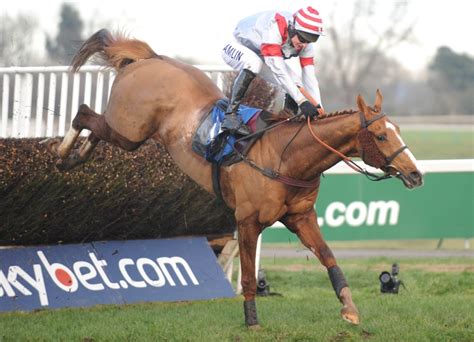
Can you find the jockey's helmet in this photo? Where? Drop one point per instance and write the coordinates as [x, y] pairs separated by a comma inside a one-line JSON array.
[[308, 24]]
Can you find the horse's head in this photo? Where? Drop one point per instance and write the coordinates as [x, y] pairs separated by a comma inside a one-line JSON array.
[[380, 145]]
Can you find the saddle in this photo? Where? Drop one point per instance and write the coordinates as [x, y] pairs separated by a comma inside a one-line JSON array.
[[219, 147]]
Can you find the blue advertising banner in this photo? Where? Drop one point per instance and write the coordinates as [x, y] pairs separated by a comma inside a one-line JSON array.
[[115, 272]]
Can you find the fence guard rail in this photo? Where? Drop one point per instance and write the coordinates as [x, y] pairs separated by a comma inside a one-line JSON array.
[[41, 101]]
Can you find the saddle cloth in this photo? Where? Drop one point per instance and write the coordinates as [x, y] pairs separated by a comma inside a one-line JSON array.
[[215, 145]]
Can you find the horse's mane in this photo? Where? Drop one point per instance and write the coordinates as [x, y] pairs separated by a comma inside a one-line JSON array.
[[286, 114], [337, 113]]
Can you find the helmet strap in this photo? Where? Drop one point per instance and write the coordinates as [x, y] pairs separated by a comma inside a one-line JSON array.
[[291, 29]]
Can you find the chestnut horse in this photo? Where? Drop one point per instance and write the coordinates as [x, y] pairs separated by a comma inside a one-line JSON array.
[[156, 97]]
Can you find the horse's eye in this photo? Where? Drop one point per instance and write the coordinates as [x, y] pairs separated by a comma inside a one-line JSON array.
[[381, 138]]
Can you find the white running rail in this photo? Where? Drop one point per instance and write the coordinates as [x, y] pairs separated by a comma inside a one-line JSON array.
[[42, 101]]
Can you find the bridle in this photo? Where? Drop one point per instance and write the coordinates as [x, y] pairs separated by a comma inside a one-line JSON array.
[[366, 140]]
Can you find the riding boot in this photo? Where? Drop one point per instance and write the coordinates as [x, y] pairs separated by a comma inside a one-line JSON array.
[[232, 122], [290, 105]]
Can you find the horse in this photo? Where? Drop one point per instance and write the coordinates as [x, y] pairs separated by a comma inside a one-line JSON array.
[[157, 97]]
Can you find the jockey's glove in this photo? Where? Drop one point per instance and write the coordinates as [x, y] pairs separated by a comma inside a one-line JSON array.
[[309, 110]]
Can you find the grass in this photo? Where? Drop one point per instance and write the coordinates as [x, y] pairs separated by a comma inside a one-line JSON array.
[[437, 306], [440, 144], [430, 244]]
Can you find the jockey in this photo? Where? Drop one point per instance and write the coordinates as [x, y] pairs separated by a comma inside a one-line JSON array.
[[261, 45]]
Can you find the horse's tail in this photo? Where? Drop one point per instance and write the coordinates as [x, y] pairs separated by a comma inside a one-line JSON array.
[[115, 52]]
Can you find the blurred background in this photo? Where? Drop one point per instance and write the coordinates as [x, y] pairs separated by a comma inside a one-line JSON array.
[[419, 54]]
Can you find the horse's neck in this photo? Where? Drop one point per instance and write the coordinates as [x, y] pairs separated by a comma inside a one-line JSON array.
[[338, 132]]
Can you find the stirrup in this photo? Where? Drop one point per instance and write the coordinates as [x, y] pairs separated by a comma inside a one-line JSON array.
[[234, 124]]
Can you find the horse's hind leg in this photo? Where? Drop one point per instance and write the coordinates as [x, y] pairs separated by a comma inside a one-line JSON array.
[[86, 118], [306, 227], [78, 157], [63, 149]]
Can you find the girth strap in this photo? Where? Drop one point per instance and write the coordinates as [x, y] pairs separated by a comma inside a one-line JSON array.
[[216, 181]]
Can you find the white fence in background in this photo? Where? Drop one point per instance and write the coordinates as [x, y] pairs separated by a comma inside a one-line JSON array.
[[42, 101]]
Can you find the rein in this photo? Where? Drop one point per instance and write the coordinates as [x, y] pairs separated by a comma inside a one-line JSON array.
[[367, 141], [275, 175], [380, 160], [349, 162]]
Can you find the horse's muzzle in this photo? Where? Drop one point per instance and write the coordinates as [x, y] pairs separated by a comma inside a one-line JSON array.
[[412, 180]]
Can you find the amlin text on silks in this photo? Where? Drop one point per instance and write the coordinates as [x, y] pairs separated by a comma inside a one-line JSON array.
[[110, 272]]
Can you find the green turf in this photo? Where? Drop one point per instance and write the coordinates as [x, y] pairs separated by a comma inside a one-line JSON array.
[[437, 306], [430, 245], [440, 144]]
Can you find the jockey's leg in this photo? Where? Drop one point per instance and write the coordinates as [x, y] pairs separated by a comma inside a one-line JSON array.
[[248, 64], [306, 227], [249, 231], [232, 122]]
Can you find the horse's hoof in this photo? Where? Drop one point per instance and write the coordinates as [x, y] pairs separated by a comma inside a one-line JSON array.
[[65, 164], [350, 314], [62, 165], [51, 146]]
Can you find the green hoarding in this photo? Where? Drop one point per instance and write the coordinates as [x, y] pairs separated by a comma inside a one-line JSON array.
[[350, 207]]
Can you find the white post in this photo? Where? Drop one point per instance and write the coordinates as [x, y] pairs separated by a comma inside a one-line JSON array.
[[87, 88], [5, 97], [98, 92], [51, 101], [87, 96], [16, 106], [111, 83], [63, 104], [25, 104], [39, 107], [76, 83]]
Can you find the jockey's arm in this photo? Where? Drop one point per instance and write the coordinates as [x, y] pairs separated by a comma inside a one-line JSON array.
[[279, 69], [310, 82], [308, 74]]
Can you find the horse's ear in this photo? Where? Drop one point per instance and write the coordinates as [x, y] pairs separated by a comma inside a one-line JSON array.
[[378, 100], [361, 103]]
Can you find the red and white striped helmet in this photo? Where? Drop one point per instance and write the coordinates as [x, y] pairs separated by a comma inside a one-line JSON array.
[[308, 20]]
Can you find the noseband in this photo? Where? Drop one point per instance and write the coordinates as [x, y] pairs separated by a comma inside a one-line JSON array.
[[370, 153]]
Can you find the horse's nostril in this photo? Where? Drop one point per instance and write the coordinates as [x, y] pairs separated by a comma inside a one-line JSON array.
[[416, 176]]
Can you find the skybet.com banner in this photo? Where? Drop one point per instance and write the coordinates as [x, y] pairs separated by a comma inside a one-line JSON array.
[[110, 272]]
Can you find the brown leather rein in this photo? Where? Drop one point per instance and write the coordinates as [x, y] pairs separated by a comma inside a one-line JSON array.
[[376, 158], [366, 139]]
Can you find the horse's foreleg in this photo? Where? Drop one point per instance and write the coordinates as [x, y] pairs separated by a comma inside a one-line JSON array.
[[248, 236], [306, 227]]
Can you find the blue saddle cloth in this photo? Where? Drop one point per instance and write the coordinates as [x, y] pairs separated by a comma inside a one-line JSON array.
[[206, 136]]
